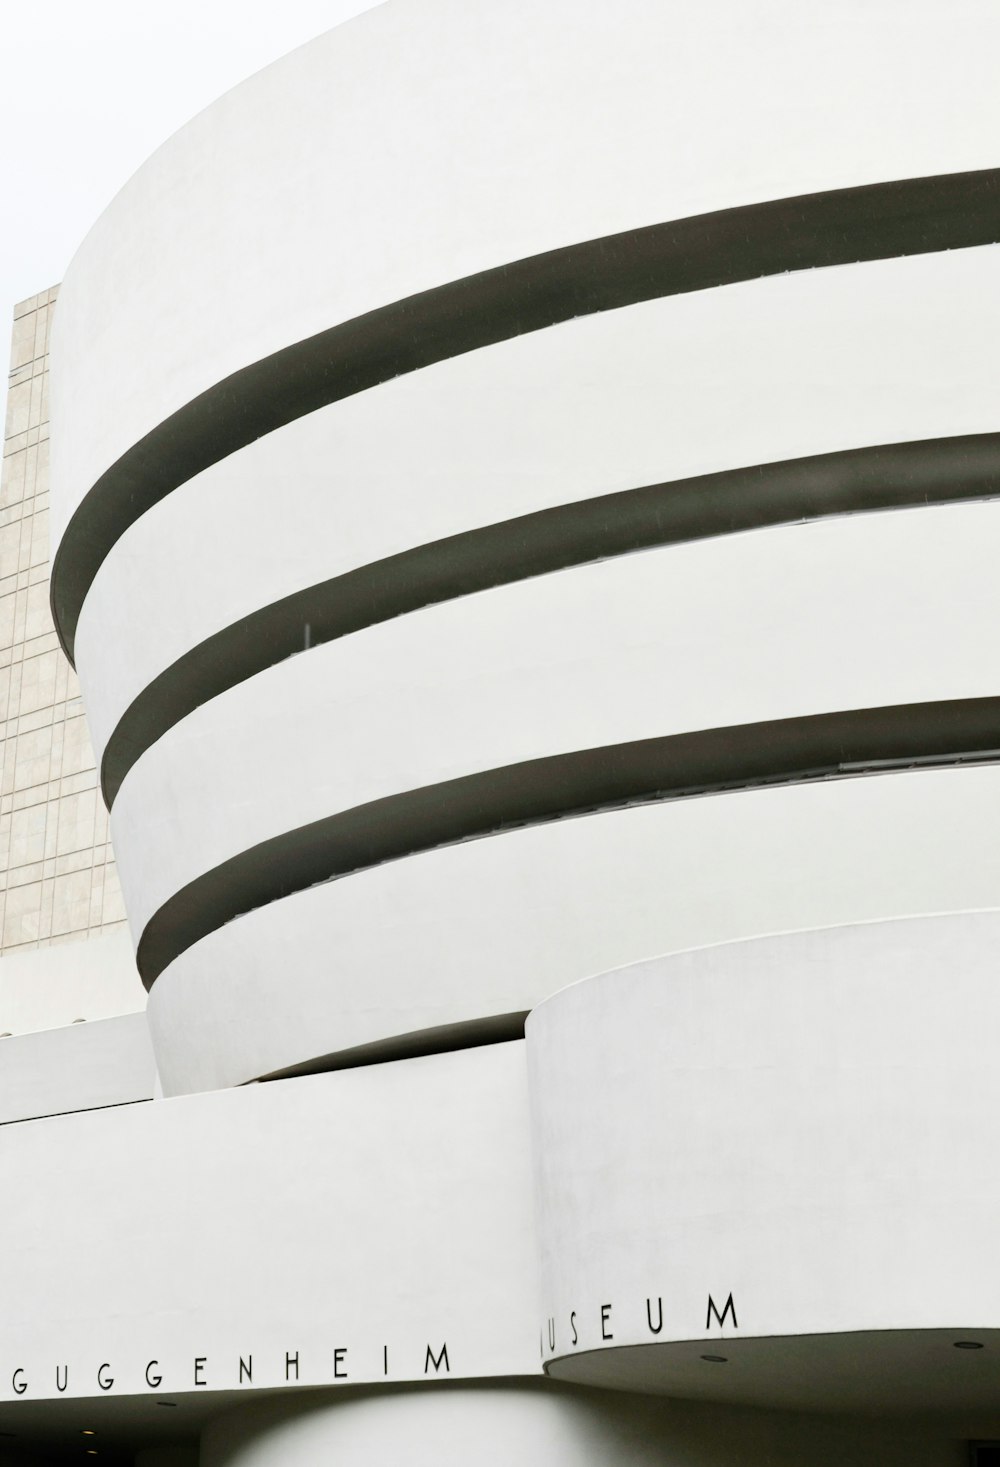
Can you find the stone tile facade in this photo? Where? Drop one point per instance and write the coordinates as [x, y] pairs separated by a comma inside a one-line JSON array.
[[57, 873]]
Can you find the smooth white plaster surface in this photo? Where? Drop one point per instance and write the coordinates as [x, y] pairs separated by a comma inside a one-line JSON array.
[[802, 1121], [835, 1088], [496, 925], [209, 1225], [851, 613], [383, 1207], [52, 986], [772, 369], [78, 1067], [303, 198]]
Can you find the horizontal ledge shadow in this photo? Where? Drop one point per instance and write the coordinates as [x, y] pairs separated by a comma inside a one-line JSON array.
[[583, 782], [890, 476], [841, 226]]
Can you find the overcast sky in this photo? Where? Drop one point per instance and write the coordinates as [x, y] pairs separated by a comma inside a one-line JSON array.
[[89, 88]]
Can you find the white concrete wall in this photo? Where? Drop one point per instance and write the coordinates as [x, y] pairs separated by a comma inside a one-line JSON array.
[[48, 988], [796, 1128], [497, 925], [306, 204], [451, 138], [393, 1206], [854, 613], [800, 1121], [384, 1208], [80, 1067], [771, 369]]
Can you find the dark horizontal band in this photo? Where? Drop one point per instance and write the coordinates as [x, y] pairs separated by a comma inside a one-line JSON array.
[[877, 221], [891, 476], [438, 1039], [584, 782]]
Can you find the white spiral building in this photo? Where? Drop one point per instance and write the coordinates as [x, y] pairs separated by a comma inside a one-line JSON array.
[[523, 487]]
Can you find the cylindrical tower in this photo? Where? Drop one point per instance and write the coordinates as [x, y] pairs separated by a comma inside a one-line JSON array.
[[461, 352], [524, 490]]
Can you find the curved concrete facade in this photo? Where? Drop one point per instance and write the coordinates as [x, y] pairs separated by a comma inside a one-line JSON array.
[[641, 647], [792, 1127], [469, 193], [817, 362], [551, 530], [527, 912]]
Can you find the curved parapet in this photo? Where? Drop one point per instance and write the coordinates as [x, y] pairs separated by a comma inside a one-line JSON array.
[[297, 207], [773, 402], [748, 1155], [487, 928], [261, 1249], [643, 677], [486, 477]]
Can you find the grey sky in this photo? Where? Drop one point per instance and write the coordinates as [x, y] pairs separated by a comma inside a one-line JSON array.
[[90, 88]]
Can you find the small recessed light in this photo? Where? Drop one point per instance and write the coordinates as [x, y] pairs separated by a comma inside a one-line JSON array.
[[716, 1359], [88, 1431], [968, 1345], [166, 1403]]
